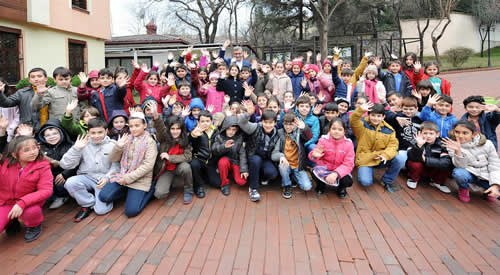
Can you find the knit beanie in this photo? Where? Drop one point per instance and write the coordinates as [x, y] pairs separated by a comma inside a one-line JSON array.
[[146, 100]]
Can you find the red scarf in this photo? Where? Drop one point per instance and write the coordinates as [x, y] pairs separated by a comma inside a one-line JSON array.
[[371, 90], [176, 150]]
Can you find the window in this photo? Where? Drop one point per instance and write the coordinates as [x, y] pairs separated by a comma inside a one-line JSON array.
[[81, 4], [9, 55], [77, 58]]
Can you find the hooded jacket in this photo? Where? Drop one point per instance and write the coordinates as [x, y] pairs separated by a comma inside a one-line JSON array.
[[299, 137], [313, 122], [436, 155], [190, 121], [57, 151], [255, 141], [338, 155], [114, 133], [445, 124], [236, 154]]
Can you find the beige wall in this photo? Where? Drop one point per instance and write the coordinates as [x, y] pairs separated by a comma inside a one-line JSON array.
[[48, 48], [462, 32]]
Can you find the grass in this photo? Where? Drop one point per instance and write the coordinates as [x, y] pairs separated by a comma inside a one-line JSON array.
[[475, 61]]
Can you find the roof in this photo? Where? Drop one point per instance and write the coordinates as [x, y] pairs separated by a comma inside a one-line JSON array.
[[145, 39]]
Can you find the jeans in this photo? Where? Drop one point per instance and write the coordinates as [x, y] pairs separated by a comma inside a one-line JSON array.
[[300, 177], [464, 178], [204, 172], [134, 203], [79, 187], [260, 169], [365, 173]]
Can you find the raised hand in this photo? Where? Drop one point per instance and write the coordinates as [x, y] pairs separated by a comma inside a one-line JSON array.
[[309, 54], [131, 110], [250, 108], [299, 123], [417, 95], [71, 106], [318, 57], [174, 64], [366, 106], [254, 64], [227, 99], [205, 52], [377, 61], [417, 66], [172, 100], [197, 132], [453, 145], [265, 69], [24, 130], [248, 89], [318, 152], [321, 97], [227, 43], [194, 56], [123, 140], [393, 56], [205, 87], [153, 106], [192, 65], [419, 139], [81, 142], [170, 56], [229, 143], [83, 78], [2, 87], [171, 80], [317, 109], [303, 83], [135, 64], [40, 90], [403, 121], [4, 122], [336, 50], [215, 54], [210, 108], [123, 82], [368, 54], [433, 100], [245, 55], [488, 108], [186, 111], [145, 68], [165, 100], [157, 64]]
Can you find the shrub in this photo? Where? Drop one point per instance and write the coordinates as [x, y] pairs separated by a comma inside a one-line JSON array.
[[75, 81], [25, 83], [458, 56]]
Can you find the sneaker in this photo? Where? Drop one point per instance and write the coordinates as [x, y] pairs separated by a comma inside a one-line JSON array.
[[463, 194], [320, 191], [225, 190], [13, 227], [83, 213], [389, 188], [264, 182], [58, 202], [442, 188], [287, 192], [200, 192], [411, 184], [342, 193], [32, 233], [254, 195], [188, 198]]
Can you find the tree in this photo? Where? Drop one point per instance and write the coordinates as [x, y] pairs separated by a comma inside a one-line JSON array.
[[323, 11], [232, 7], [487, 13], [444, 7], [143, 12], [422, 10]]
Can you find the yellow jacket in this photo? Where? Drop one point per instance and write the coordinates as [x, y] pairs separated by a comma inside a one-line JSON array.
[[357, 73], [372, 140]]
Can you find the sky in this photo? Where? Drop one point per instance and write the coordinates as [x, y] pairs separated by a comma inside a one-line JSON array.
[[122, 17]]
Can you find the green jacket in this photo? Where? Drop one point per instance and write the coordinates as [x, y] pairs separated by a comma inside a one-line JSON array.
[[74, 129]]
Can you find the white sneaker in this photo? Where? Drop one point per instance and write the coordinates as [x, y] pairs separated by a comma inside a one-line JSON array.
[[58, 202], [264, 182], [411, 184], [442, 188]]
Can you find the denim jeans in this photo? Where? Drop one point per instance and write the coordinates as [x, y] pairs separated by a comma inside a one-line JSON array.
[[365, 173], [260, 169], [300, 177], [79, 187], [134, 203], [464, 178]]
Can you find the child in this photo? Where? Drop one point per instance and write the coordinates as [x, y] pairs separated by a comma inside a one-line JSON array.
[[394, 79], [88, 85], [204, 165], [395, 100], [326, 86], [343, 86], [312, 71], [37, 78], [485, 117], [173, 159], [441, 114], [412, 68], [370, 86], [303, 111], [476, 161], [213, 96], [262, 101], [110, 96], [122, 73], [331, 110], [424, 91], [228, 147], [288, 101], [55, 142], [259, 145], [80, 128], [58, 97], [279, 83], [334, 158], [147, 84], [232, 85], [377, 145], [291, 154], [427, 157], [137, 154], [343, 107], [118, 124], [273, 104], [26, 184], [299, 80], [441, 85], [196, 106], [90, 154], [10, 113], [183, 93]]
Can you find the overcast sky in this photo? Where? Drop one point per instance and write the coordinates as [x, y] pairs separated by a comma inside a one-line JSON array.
[[122, 16]]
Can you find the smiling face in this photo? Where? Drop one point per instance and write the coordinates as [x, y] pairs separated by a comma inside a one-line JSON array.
[[120, 76], [395, 68], [96, 134], [184, 90], [87, 116], [288, 65], [430, 135], [409, 111], [343, 107], [233, 71], [262, 102], [463, 134], [311, 73], [52, 136], [137, 126], [268, 125], [176, 110], [28, 151], [152, 80], [431, 70], [424, 91], [304, 109], [442, 108], [175, 131], [474, 109], [119, 123], [94, 83], [337, 131], [288, 98], [375, 119], [205, 122], [289, 126], [409, 61], [195, 112], [274, 106], [202, 75], [371, 75], [296, 69], [327, 68], [244, 75], [105, 80], [181, 72], [329, 115], [37, 79], [395, 100], [279, 69]]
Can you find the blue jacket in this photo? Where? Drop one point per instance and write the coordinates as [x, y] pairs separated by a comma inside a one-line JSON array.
[[113, 100], [389, 81], [488, 123], [313, 122], [340, 86], [190, 121], [444, 124], [228, 61], [296, 79]]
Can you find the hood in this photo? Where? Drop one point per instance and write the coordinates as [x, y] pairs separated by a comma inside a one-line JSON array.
[[117, 113], [54, 123], [228, 122], [196, 103]]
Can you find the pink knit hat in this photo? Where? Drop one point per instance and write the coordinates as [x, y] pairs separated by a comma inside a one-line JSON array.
[[298, 63], [213, 75], [312, 67], [327, 61]]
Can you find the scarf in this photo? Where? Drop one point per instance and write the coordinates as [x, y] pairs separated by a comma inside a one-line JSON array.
[[371, 90], [141, 145]]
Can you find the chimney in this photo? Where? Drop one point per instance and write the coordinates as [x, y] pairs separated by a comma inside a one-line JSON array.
[[151, 27]]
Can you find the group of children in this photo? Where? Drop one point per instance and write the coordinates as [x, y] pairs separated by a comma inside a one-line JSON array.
[[213, 122]]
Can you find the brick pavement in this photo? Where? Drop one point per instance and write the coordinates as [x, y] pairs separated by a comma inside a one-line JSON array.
[[371, 231]]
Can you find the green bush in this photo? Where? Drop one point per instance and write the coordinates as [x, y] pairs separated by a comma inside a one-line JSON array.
[[75, 81], [25, 83], [458, 56]]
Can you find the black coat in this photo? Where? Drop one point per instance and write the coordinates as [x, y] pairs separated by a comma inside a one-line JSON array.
[[390, 83], [436, 155], [202, 146], [256, 138]]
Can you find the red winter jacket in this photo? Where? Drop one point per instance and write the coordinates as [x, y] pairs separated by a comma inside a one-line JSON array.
[[129, 101], [145, 90], [414, 77], [25, 187], [445, 85], [338, 155]]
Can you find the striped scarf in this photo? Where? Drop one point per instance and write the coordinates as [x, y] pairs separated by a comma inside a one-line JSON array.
[[141, 145]]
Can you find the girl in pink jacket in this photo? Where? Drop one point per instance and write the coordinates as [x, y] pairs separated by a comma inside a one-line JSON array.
[[326, 86], [26, 185], [147, 84], [214, 97], [334, 158]]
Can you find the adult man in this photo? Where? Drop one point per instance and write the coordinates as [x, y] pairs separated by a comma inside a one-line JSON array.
[[237, 56]]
